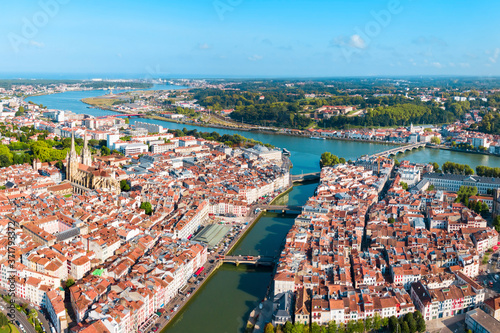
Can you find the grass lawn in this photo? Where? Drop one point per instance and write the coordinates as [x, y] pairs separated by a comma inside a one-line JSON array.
[[96, 101], [8, 329]]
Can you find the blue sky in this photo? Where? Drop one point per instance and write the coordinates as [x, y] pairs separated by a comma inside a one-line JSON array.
[[241, 38]]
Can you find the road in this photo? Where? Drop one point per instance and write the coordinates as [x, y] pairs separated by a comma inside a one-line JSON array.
[[21, 317], [18, 317]]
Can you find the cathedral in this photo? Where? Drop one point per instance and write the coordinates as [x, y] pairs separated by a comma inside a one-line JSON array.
[[83, 176]]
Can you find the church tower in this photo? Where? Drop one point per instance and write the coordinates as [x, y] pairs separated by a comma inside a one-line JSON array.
[[71, 160], [86, 154]]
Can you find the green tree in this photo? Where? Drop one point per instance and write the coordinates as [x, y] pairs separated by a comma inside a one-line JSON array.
[[269, 328], [377, 322], [405, 328], [69, 283], [458, 169], [127, 121], [105, 151], [332, 327], [394, 324], [496, 223], [124, 185], [404, 186], [41, 150], [93, 142], [369, 323], [464, 193], [412, 324], [315, 328], [5, 151], [59, 165], [4, 321], [421, 326], [148, 209], [328, 159], [4, 161], [435, 140], [288, 327]]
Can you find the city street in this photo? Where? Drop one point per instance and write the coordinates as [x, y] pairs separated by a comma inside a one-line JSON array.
[[21, 317]]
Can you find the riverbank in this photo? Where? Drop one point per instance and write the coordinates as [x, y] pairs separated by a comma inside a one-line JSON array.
[[246, 128], [262, 314], [210, 270], [463, 150]]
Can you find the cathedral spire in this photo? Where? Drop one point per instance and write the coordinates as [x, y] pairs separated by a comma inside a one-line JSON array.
[[86, 153], [72, 142], [85, 140]]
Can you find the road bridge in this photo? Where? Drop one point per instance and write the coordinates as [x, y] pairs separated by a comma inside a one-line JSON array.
[[278, 208], [124, 115], [400, 149], [306, 177], [249, 260]]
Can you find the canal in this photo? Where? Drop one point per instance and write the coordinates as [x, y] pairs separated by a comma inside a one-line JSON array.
[[225, 301]]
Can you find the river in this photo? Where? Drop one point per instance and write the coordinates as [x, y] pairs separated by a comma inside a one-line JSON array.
[[305, 152], [225, 301]]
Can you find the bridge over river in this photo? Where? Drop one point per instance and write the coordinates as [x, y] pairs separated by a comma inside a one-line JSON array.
[[386, 153], [280, 208], [400, 149], [249, 260]]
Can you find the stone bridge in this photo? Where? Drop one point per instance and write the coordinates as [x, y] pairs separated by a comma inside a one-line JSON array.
[[401, 149]]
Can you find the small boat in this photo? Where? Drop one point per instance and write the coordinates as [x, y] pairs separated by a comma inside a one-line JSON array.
[[285, 151], [317, 137]]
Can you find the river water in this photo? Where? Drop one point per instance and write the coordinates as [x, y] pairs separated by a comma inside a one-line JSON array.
[[225, 301]]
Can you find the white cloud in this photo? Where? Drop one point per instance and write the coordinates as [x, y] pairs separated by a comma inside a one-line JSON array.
[[337, 41], [494, 58], [37, 44], [464, 64], [204, 46], [437, 65], [357, 42], [255, 57]]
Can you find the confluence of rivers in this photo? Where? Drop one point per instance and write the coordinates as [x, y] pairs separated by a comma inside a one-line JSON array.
[[224, 302]]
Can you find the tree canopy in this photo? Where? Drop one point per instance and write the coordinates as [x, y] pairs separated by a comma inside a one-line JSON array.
[[328, 159], [148, 209], [456, 168]]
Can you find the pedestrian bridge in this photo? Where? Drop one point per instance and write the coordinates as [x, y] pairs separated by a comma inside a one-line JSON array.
[[278, 208], [249, 260], [401, 149], [306, 177]]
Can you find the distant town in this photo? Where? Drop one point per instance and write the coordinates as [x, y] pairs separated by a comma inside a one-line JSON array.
[[113, 222]]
